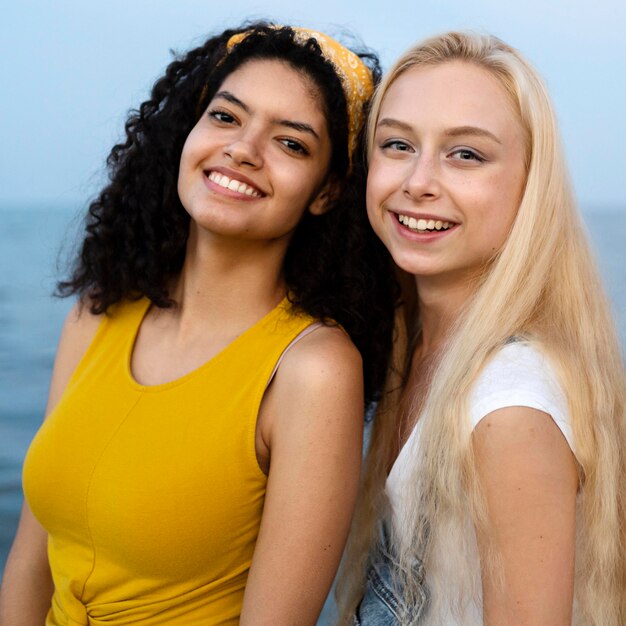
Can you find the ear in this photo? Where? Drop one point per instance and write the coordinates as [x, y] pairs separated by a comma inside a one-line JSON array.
[[325, 197]]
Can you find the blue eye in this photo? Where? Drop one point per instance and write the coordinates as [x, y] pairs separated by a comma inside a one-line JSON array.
[[396, 145]]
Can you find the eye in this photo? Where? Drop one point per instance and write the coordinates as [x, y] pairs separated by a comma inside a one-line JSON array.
[[467, 154], [221, 116], [294, 146], [396, 145]]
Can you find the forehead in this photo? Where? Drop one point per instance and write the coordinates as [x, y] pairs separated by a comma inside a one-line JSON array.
[[455, 93], [272, 80]]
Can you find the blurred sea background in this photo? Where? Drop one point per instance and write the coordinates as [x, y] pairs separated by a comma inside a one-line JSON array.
[[34, 246]]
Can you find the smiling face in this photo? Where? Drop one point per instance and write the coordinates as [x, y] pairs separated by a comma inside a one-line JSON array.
[[258, 157], [446, 170]]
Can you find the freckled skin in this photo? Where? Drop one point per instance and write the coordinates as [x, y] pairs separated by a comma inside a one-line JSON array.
[[431, 172]]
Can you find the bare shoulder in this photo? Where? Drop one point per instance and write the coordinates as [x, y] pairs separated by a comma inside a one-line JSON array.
[[324, 355], [317, 389], [526, 442], [523, 429], [78, 332], [527, 471]]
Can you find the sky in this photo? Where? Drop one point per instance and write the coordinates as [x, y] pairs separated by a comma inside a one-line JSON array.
[[71, 70]]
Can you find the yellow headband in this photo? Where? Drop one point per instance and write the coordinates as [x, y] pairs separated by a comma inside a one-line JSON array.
[[355, 76]]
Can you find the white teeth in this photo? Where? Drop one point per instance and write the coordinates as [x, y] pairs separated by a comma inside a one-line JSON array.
[[233, 184], [423, 225]]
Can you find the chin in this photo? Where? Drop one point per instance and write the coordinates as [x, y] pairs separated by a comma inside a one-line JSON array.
[[417, 267]]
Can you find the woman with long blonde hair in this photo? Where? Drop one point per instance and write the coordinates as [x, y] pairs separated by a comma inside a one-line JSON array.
[[494, 490]]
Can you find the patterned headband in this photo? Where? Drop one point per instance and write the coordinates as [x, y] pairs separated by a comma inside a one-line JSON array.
[[355, 76]]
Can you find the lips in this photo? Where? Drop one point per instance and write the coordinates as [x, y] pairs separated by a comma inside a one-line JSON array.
[[234, 184]]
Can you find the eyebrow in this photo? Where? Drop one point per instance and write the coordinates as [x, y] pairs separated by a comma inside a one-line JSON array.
[[392, 123], [300, 126], [471, 130], [450, 132], [229, 97]]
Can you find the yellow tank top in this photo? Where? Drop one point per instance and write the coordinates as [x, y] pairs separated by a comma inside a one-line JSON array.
[[152, 495]]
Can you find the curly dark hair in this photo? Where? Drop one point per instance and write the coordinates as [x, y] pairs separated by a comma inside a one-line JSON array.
[[137, 229]]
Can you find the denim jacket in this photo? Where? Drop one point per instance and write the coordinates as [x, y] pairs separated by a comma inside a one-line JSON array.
[[382, 603]]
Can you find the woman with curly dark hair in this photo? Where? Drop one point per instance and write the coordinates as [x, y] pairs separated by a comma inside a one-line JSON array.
[[200, 461]]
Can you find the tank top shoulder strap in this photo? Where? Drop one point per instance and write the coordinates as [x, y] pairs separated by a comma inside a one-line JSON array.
[[274, 333], [117, 329]]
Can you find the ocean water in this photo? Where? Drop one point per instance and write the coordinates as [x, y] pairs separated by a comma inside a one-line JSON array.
[[34, 240], [30, 321]]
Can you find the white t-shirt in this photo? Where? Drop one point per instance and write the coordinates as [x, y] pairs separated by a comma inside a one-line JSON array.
[[518, 375]]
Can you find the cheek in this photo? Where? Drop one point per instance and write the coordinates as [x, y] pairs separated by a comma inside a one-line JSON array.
[[508, 197], [373, 218], [194, 148], [182, 185], [185, 160], [502, 203], [377, 184], [292, 186], [293, 192], [372, 203]]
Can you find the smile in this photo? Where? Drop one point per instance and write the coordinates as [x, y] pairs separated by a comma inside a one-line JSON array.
[[233, 184], [422, 225]]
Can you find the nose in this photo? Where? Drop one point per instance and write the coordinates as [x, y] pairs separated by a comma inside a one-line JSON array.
[[245, 149], [422, 179]]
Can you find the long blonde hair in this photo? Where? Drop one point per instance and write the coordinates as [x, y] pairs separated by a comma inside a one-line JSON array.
[[542, 285]]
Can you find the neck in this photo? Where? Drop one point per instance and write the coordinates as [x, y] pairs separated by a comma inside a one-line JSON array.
[[228, 280], [440, 304]]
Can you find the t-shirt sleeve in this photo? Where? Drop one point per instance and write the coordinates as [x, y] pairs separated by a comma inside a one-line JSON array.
[[520, 375]]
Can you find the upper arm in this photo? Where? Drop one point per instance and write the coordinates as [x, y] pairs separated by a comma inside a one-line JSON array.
[[313, 415], [529, 479]]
